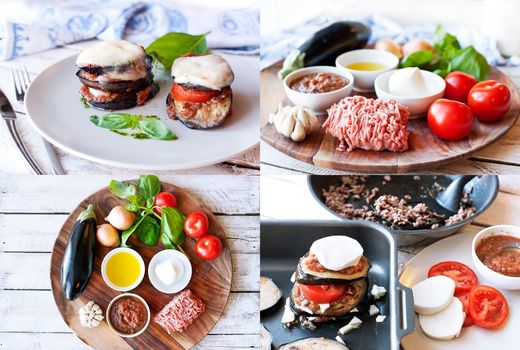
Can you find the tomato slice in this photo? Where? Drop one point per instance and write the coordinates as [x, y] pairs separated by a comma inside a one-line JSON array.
[[488, 307], [463, 276], [323, 294], [468, 321], [192, 95]]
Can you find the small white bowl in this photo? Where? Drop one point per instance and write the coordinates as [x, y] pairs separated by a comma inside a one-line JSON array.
[[496, 279], [104, 269], [417, 106], [364, 80], [318, 102], [178, 285], [124, 335]]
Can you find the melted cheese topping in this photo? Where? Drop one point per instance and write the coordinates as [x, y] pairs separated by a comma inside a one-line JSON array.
[[211, 71], [110, 53], [337, 252]]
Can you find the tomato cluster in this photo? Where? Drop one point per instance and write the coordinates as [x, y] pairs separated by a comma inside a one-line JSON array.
[[484, 305], [451, 118], [196, 225]]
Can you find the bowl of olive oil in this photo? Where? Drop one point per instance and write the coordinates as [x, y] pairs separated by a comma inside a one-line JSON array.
[[123, 269]]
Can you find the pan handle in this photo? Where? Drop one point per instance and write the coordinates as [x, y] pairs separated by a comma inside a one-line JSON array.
[[406, 322]]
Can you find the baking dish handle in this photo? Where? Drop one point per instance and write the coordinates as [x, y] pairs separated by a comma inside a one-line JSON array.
[[406, 323]]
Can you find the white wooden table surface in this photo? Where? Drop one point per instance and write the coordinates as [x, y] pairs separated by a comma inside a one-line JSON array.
[[288, 197], [32, 210], [10, 160]]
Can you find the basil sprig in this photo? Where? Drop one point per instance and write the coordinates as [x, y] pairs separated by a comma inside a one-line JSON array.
[[149, 126], [149, 226]]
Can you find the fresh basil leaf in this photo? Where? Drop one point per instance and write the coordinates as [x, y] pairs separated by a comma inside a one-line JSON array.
[[173, 225], [472, 62], [444, 43], [418, 59], [132, 207], [172, 45], [148, 231], [122, 189], [156, 130], [114, 121], [149, 202], [441, 72], [166, 241], [149, 186], [159, 72], [125, 235]]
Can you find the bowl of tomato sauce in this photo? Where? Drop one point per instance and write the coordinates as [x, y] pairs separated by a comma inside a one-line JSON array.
[[493, 259]]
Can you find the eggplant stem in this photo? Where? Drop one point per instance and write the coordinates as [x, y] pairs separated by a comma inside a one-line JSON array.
[[87, 213]]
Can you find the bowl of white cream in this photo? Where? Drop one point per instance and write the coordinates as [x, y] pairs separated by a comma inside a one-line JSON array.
[[169, 271], [412, 87]]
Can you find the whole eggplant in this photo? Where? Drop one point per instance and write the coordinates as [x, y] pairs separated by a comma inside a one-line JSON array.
[[78, 261], [325, 45]]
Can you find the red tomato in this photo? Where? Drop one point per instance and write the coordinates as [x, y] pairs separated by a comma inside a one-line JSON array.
[[196, 224], [468, 321], [489, 100], [192, 95], [208, 247], [450, 120], [458, 85], [487, 306], [163, 199], [463, 276], [323, 293]]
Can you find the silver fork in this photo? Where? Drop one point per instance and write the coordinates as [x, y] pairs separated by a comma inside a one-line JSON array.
[[21, 80]]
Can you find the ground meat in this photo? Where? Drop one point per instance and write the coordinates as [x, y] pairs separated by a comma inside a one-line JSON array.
[[181, 312], [391, 211], [311, 263], [140, 96], [369, 124]]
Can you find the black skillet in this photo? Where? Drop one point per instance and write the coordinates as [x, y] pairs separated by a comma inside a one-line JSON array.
[[483, 193]]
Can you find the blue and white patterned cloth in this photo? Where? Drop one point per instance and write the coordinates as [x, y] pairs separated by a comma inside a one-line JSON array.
[[32, 25], [276, 47]]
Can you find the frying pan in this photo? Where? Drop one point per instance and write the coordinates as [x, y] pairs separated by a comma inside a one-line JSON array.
[[483, 193], [284, 242]]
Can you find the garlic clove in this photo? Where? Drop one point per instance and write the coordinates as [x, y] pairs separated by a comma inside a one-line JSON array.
[[298, 133]]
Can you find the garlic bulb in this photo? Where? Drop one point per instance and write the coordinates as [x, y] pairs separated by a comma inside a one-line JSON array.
[[295, 122], [90, 315]]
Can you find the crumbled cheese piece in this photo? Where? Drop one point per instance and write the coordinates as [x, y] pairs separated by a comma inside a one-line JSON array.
[[354, 310], [380, 318], [293, 277], [378, 291], [306, 309], [374, 310], [288, 314], [353, 324], [340, 340], [324, 307]]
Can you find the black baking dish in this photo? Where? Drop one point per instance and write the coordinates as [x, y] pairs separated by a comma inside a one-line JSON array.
[[483, 193], [284, 242]]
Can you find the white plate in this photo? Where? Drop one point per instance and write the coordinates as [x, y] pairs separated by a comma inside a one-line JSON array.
[[458, 248], [56, 111], [178, 285]]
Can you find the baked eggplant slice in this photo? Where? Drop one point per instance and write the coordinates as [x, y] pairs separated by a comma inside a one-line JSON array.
[[115, 86], [266, 339], [314, 344], [270, 294], [310, 271], [118, 101], [354, 294]]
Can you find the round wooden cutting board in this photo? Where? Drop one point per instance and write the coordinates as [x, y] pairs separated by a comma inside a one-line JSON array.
[[425, 150], [211, 282]]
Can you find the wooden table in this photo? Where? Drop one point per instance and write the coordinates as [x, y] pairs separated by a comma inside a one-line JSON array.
[[32, 210], [287, 197], [10, 162]]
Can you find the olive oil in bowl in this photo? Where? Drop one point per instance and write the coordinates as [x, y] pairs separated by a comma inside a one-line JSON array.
[[123, 269], [366, 66]]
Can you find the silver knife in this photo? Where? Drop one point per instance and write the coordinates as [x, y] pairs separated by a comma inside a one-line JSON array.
[[57, 169], [8, 114]]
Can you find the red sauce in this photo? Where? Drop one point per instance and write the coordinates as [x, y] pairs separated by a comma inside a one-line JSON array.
[[316, 83], [505, 262], [128, 315]]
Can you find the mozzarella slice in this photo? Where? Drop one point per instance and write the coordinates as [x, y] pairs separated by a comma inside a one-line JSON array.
[[211, 71], [433, 294], [337, 252], [446, 324], [110, 53]]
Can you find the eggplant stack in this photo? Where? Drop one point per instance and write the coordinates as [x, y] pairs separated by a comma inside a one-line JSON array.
[[115, 75], [321, 294]]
